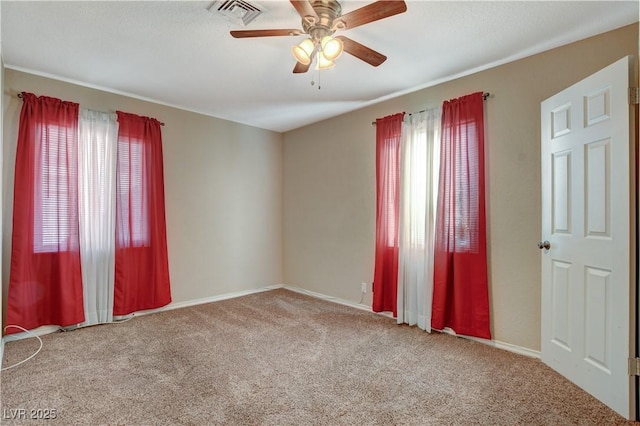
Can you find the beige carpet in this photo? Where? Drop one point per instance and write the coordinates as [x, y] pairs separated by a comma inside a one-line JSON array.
[[281, 358]]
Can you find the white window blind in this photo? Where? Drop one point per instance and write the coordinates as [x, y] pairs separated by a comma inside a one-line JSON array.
[[55, 209], [133, 202]]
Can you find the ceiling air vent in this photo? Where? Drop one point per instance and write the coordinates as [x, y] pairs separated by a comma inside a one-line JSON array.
[[238, 12]]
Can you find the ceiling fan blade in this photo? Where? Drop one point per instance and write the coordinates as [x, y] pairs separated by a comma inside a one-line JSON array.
[[373, 12], [362, 52], [264, 33], [300, 68], [304, 8]]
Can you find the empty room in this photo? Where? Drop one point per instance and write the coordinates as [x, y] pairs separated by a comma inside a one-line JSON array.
[[319, 212]]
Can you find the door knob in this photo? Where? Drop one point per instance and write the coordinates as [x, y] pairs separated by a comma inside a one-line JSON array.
[[544, 245]]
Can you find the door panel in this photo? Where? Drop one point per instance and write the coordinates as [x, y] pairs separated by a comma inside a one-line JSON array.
[[598, 315], [562, 192], [560, 304], [588, 216], [598, 189]]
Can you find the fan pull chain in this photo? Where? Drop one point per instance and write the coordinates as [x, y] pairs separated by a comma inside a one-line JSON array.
[[312, 81], [317, 62]]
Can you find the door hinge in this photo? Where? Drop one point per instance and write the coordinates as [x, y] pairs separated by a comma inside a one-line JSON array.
[[634, 366], [634, 96]]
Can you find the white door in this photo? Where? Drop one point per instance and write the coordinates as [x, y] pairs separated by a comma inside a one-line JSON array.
[[588, 220]]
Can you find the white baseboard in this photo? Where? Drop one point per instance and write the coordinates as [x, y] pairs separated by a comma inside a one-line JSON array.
[[204, 300], [329, 298], [515, 348], [497, 344]]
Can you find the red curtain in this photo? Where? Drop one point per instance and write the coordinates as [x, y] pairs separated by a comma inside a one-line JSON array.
[[45, 284], [460, 294], [142, 266], [385, 280]]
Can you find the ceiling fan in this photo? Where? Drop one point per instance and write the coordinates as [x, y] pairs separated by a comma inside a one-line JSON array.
[[320, 20]]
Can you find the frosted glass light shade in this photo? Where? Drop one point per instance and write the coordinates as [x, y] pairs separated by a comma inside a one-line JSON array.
[[303, 51], [324, 63], [331, 47]]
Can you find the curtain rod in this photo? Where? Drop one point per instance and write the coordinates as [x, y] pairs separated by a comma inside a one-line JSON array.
[[485, 95], [20, 96]]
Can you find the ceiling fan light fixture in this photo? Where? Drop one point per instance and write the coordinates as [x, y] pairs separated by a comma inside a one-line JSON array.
[[331, 47], [302, 52], [324, 63], [320, 20]]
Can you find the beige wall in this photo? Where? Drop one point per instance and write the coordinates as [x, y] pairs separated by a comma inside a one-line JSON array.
[[329, 182], [223, 190]]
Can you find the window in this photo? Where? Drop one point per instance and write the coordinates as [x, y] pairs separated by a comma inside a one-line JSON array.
[[419, 166], [419, 182], [133, 202], [56, 197], [55, 201], [466, 201]]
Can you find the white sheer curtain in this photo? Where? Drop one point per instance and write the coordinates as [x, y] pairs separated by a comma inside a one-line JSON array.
[[98, 141], [419, 156]]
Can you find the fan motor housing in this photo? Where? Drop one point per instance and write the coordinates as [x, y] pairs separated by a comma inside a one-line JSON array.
[[327, 11]]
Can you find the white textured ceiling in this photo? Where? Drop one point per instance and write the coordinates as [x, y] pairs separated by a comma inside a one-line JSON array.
[[178, 53]]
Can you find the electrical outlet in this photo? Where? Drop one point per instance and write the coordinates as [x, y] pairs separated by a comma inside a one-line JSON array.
[[364, 288]]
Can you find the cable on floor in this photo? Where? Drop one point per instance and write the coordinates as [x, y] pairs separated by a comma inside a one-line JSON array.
[[32, 355]]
